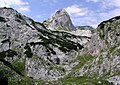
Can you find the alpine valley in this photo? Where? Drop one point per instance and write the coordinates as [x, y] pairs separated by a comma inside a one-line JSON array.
[[55, 52]]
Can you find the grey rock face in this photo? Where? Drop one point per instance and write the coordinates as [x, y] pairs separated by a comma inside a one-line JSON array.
[[115, 79], [105, 47], [59, 21], [47, 54], [16, 30]]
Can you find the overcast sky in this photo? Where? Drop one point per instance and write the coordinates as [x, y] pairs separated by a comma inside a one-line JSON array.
[[82, 12]]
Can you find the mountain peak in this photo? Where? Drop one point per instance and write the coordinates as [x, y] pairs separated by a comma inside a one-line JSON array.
[[60, 20], [31, 54], [7, 11], [61, 11]]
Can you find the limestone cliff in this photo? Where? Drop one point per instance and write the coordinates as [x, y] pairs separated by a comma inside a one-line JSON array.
[[100, 58], [32, 54], [59, 21], [27, 48]]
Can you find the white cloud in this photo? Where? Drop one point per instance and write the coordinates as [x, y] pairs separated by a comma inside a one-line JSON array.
[[18, 4], [89, 20], [110, 14], [82, 16], [24, 9], [76, 10], [92, 17], [95, 18], [107, 3], [111, 3]]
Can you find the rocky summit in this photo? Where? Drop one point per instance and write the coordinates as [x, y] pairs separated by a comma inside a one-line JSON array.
[[59, 21], [34, 53]]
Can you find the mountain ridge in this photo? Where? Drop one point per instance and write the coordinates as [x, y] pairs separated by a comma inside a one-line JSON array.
[[59, 20], [32, 54]]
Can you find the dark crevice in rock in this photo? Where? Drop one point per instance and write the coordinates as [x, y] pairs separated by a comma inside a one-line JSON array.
[[2, 19], [57, 61], [117, 34], [4, 41]]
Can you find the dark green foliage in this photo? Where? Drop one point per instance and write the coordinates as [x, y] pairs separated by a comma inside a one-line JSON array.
[[11, 53], [46, 44], [28, 51], [104, 82], [102, 36], [3, 79], [50, 50], [60, 38], [8, 64], [49, 59], [8, 53], [56, 39], [86, 28], [114, 48], [41, 25], [19, 16], [34, 24], [19, 66], [2, 54], [82, 80], [83, 60], [22, 81], [9, 77], [65, 29], [102, 24], [63, 49], [63, 69], [109, 29]]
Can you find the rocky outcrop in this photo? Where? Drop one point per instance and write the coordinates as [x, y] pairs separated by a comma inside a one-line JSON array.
[[99, 60], [86, 28], [28, 48], [104, 46], [59, 21], [31, 54]]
